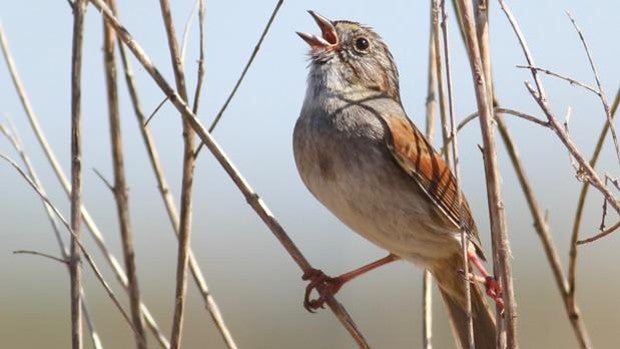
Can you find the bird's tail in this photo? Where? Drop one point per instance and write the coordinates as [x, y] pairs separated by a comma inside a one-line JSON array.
[[452, 290]]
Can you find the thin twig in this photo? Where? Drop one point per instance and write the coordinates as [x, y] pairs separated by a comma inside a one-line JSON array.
[[104, 180], [76, 171], [501, 248], [62, 178], [120, 186], [562, 77], [200, 72], [44, 255], [186, 29], [219, 114], [431, 116], [572, 254], [455, 167], [251, 196], [601, 234], [167, 197], [185, 222], [466, 120], [601, 91], [14, 139], [161, 104]]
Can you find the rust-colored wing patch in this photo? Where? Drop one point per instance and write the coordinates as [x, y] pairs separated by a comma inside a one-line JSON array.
[[418, 158]]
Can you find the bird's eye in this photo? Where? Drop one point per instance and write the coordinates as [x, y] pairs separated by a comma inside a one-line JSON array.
[[361, 44]]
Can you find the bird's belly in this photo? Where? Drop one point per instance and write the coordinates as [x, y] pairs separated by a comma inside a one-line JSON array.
[[378, 200]]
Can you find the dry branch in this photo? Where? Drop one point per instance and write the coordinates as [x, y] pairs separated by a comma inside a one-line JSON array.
[[455, 167], [186, 182], [601, 91], [76, 172], [251, 196], [120, 186], [501, 248], [431, 116]]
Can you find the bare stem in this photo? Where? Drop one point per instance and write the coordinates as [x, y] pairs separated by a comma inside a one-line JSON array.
[[76, 172], [251, 196], [431, 116], [601, 91], [572, 264], [562, 77], [501, 247], [120, 186], [455, 167], [186, 186]]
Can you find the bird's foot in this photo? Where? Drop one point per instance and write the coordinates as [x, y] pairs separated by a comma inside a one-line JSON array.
[[494, 290], [491, 286], [324, 285]]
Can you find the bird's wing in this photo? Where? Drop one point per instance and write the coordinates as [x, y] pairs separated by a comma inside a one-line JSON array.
[[416, 156]]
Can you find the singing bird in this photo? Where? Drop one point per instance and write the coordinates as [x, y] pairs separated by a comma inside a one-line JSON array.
[[362, 158]]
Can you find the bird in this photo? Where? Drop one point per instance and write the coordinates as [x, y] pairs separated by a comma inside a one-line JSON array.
[[359, 154]]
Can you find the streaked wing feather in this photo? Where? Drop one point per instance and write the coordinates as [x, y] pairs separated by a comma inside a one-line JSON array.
[[417, 157]]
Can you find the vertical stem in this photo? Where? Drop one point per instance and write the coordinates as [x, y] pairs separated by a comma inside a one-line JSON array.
[[186, 185], [431, 116], [455, 157], [120, 187], [501, 248], [76, 171]]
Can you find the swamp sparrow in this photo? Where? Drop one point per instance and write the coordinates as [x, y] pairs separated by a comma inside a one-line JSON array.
[[361, 157]]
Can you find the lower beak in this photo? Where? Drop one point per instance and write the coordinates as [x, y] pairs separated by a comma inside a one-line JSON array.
[[328, 38]]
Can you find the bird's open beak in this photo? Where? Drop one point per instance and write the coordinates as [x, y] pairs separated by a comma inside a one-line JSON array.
[[328, 38]]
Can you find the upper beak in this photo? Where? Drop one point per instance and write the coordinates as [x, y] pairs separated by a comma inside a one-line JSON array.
[[328, 37]]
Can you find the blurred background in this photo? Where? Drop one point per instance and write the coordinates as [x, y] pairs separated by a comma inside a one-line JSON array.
[[256, 284]]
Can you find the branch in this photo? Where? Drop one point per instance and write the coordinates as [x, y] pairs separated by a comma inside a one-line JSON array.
[[601, 92], [455, 167], [120, 186], [499, 235], [186, 182], [560, 76], [76, 172], [431, 116]]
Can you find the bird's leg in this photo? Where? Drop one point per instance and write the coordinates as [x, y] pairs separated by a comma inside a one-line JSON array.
[[326, 285], [492, 287]]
